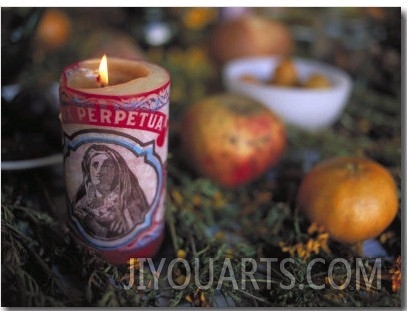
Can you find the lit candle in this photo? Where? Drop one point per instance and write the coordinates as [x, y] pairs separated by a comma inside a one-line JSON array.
[[103, 77], [115, 126]]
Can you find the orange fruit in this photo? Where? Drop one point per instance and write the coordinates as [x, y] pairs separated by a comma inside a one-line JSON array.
[[54, 29], [353, 198]]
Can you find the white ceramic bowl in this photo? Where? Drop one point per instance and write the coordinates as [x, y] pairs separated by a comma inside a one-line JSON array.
[[309, 109]]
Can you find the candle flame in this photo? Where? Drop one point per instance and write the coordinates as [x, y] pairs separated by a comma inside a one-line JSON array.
[[103, 72]]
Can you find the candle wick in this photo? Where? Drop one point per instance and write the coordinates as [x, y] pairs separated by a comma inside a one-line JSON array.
[[99, 81]]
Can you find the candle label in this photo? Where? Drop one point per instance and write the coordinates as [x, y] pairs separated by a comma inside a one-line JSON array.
[[115, 150]]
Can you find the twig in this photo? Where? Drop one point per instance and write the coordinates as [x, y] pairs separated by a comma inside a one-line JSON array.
[[24, 241], [191, 240], [171, 226], [253, 296]]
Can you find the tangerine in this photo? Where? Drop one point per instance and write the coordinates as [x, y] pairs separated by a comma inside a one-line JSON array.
[[353, 198], [54, 29]]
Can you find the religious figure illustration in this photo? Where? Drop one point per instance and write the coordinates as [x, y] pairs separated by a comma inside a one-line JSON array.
[[109, 203]]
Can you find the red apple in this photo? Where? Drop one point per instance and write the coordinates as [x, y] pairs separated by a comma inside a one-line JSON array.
[[250, 35], [231, 139]]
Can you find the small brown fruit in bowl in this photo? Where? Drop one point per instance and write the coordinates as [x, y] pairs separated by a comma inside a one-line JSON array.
[[249, 79], [285, 74], [317, 81]]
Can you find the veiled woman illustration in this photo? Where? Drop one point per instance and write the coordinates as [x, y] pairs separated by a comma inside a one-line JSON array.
[[109, 202]]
